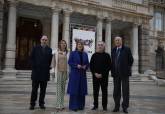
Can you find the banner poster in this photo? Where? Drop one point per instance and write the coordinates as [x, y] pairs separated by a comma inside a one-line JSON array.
[[87, 37]]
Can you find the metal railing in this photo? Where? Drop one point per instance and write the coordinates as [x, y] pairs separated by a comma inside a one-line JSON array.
[[157, 1], [124, 5]]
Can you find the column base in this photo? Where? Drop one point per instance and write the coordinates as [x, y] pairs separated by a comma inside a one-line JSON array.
[[144, 77], [135, 71], [135, 68], [9, 74]]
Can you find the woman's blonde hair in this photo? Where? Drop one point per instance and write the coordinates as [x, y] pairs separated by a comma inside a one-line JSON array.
[[59, 47]]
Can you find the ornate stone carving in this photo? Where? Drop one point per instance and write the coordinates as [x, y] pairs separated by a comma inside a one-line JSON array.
[[108, 19], [13, 3], [56, 10], [67, 12]]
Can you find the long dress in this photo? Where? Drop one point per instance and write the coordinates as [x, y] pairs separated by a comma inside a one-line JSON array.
[[77, 85]]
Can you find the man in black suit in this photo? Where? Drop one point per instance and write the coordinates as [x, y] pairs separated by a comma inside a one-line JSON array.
[[122, 61], [100, 66], [41, 57]]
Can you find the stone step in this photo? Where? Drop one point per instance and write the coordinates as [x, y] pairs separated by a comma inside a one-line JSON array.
[[26, 75], [16, 86]]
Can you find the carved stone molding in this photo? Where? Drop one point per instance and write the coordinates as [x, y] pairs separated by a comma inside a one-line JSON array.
[[67, 12], [56, 9], [13, 3], [108, 19], [99, 18]]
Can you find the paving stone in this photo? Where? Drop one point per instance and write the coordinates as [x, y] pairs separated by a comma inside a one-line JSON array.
[[146, 98]]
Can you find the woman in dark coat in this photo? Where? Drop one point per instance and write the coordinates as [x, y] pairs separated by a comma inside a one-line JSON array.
[[77, 85]]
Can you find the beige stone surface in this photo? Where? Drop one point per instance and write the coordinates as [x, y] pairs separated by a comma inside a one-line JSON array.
[[146, 98]]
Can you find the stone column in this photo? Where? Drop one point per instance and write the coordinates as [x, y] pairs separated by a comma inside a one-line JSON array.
[[9, 69], [108, 36], [99, 29], [135, 53], [1, 31], [66, 22], [54, 28]]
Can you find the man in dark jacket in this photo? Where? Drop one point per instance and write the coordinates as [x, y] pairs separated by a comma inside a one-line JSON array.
[[41, 57], [100, 66], [122, 61]]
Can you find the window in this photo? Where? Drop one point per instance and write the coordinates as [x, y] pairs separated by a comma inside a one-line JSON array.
[[158, 21]]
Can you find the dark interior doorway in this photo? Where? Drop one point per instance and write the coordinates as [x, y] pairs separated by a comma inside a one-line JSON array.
[[28, 35]]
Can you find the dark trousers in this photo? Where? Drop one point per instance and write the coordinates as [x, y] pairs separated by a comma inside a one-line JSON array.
[[34, 93], [103, 82], [117, 92]]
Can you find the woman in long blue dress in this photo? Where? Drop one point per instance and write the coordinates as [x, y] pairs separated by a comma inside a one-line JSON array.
[[77, 85]]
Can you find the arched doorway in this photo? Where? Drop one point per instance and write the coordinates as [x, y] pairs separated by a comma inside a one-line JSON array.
[[28, 35]]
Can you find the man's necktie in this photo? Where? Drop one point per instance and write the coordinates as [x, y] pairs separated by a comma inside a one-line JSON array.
[[117, 53], [117, 57]]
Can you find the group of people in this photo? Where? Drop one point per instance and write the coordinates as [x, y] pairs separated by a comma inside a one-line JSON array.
[[101, 63]]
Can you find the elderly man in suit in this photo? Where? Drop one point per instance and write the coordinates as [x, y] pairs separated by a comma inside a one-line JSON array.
[[122, 61], [41, 57]]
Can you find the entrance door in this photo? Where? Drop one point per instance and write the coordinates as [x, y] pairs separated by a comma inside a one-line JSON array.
[[29, 32]]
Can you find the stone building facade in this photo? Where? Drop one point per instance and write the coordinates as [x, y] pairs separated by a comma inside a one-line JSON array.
[[135, 20]]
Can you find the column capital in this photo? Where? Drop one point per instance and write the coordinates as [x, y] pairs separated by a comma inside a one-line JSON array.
[[12, 3], [56, 9], [136, 24], [99, 18], [108, 19], [67, 12]]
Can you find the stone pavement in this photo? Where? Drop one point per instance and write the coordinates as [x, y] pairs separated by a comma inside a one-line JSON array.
[[146, 98]]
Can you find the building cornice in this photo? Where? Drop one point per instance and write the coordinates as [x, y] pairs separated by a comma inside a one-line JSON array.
[[139, 13], [157, 4]]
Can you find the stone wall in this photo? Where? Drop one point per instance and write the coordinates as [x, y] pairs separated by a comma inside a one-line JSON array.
[[144, 49]]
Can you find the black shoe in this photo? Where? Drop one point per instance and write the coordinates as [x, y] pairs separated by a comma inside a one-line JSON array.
[[125, 110], [31, 108], [115, 110], [94, 108], [42, 107]]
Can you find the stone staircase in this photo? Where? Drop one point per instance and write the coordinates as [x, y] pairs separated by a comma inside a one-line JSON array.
[[26, 75]]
